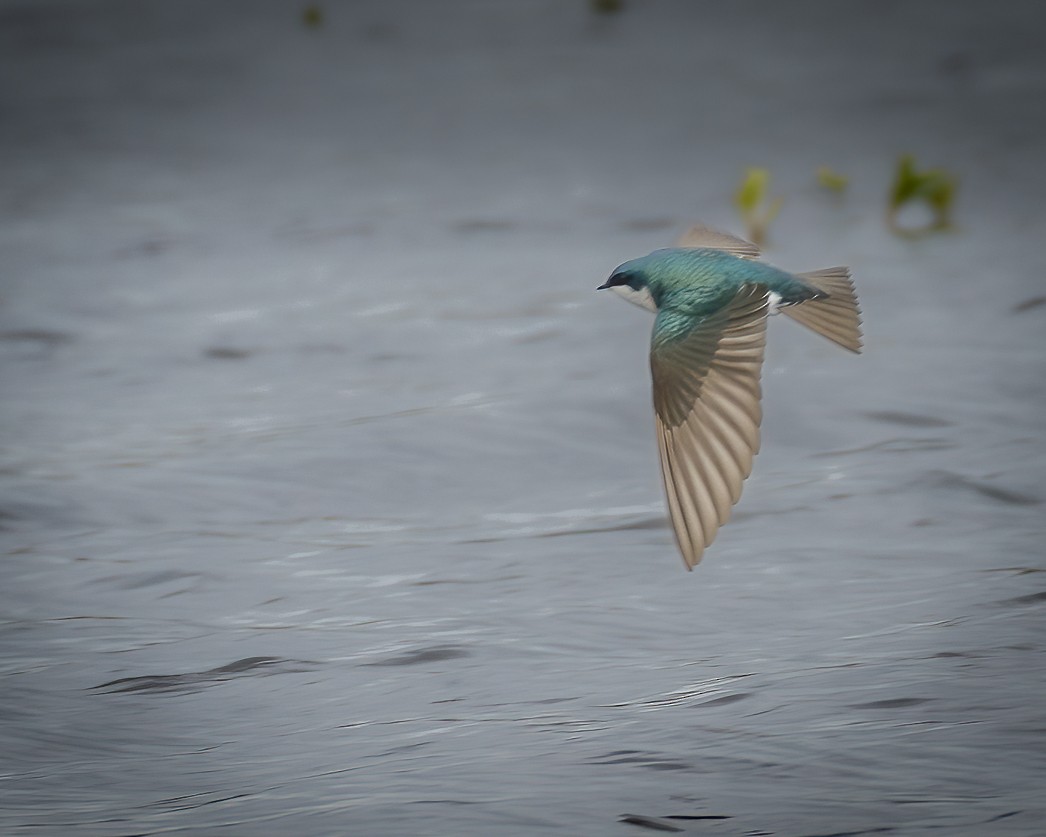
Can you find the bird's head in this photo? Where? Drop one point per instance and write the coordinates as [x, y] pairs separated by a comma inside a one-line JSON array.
[[630, 282]]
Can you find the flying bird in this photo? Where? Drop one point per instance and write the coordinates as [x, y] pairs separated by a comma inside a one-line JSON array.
[[712, 299]]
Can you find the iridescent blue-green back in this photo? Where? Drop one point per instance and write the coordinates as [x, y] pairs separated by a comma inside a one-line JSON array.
[[699, 281]]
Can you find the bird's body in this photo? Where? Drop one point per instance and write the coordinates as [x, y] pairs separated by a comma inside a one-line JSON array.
[[693, 282], [712, 299]]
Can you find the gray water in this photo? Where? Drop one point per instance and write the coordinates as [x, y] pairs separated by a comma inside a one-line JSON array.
[[330, 500]]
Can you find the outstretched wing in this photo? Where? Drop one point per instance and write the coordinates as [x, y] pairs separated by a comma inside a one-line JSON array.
[[701, 236], [706, 400]]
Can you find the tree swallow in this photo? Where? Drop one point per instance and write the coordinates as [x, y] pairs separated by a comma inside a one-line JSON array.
[[706, 354]]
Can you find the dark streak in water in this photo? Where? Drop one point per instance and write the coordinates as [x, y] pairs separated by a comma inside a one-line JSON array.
[[311, 235], [655, 522], [890, 703], [907, 419], [653, 823], [613, 754], [1029, 304], [667, 765], [197, 680], [40, 336], [1030, 599], [651, 761], [434, 582], [1016, 570], [146, 248], [34, 343], [435, 654], [949, 479], [658, 522], [139, 581], [226, 353], [724, 700]]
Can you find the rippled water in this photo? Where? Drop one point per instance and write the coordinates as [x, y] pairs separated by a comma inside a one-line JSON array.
[[330, 496]]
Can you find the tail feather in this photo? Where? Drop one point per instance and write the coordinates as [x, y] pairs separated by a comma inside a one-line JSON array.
[[837, 315]]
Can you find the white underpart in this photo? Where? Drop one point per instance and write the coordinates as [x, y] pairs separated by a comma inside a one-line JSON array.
[[642, 297]]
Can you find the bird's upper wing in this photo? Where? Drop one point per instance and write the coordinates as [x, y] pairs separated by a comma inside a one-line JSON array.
[[701, 236], [706, 400]]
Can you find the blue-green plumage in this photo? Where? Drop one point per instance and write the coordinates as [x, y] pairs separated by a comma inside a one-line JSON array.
[[689, 284], [712, 300], [699, 281]]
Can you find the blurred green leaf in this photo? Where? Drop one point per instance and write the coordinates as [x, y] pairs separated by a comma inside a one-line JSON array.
[[828, 178], [312, 16], [606, 7], [936, 188], [755, 205]]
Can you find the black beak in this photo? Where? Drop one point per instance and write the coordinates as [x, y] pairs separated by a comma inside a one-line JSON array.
[[614, 280]]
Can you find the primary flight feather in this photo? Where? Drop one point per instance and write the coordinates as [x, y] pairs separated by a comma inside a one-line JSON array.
[[712, 299]]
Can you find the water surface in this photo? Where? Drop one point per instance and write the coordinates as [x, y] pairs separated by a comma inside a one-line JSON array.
[[330, 500]]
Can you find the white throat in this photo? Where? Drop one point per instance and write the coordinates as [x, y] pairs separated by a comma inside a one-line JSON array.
[[642, 297]]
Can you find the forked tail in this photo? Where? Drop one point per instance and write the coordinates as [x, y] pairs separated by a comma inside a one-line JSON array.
[[837, 315]]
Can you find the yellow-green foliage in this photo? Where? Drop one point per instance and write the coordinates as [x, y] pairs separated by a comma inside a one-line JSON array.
[[828, 178], [312, 16], [936, 188], [755, 205]]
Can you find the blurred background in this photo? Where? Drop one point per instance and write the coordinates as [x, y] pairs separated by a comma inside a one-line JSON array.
[[329, 499]]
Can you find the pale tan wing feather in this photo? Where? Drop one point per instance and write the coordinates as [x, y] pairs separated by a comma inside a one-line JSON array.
[[701, 236], [706, 401], [836, 316]]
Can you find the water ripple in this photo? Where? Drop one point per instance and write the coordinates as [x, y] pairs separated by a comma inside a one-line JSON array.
[[198, 680]]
